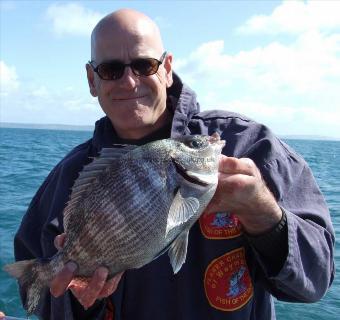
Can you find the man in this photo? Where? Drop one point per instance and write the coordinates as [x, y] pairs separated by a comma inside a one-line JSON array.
[[267, 231]]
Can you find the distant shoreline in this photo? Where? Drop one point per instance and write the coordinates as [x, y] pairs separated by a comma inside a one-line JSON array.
[[91, 128], [308, 137], [46, 126]]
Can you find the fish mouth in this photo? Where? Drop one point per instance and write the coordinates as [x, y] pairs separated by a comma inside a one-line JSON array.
[[190, 176]]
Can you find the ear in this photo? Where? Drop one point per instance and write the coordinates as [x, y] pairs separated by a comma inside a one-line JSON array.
[[90, 80], [168, 69]]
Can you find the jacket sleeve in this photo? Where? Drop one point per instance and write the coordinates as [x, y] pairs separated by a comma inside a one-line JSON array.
[[308, 270], [35, 239]]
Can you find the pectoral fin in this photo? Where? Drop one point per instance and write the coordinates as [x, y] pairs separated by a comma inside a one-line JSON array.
[[181, 210], [178, 251]]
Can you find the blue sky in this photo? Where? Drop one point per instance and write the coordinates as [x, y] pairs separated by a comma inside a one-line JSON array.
[[276, 61]]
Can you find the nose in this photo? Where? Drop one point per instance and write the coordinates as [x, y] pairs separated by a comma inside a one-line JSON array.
[[129, 80]]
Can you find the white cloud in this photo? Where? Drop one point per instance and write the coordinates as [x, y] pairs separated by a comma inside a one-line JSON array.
[[295, 17], [285, 119], [306, 65], [292, 85], [8, 79], [72, 19], [79, 104], [40, 104], [276, 84], [40, 92]]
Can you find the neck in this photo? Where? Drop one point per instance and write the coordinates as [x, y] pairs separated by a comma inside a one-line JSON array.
[[144, 131]]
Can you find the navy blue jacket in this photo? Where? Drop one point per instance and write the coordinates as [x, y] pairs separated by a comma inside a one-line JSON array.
[[227, 274]]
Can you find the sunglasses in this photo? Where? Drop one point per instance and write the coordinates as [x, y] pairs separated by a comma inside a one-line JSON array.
[[114, 70]]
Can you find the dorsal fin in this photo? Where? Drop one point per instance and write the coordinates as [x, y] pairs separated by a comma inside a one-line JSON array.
[[116, 151], [91, 171]]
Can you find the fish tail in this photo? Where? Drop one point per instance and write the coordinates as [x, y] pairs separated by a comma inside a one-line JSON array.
[[31, 275]]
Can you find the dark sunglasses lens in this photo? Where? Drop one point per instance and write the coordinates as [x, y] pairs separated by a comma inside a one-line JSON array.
[[111, 71], [145, 67]]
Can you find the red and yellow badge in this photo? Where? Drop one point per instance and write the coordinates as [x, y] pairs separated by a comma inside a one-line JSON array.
[[219, 225], [227, 282]]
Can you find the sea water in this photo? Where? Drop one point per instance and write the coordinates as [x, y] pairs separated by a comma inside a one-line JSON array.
[[28, 155]]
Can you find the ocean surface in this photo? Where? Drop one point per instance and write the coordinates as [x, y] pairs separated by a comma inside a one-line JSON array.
[[28, 155]]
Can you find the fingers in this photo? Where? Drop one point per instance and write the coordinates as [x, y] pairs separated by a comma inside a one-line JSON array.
[[239, 181], [86, 290], [110, 286], [59, 241], [230, 165], [62, 280], [80, 284], [94, 288]]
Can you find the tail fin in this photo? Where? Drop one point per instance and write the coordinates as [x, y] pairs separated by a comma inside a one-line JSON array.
[[32, 277]]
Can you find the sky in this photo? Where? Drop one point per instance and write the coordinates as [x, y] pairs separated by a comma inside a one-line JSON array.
[[278, 62]]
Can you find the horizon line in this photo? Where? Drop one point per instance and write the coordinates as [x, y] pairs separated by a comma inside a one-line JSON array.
[[88, 127]]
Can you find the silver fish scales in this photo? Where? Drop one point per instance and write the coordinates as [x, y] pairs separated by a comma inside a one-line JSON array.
[[129, 206]]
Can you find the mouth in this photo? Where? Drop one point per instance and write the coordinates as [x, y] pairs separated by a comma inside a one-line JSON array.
[[190, 176], [129, 98]]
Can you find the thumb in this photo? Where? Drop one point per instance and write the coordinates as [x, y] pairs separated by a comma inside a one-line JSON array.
[[59, 241]]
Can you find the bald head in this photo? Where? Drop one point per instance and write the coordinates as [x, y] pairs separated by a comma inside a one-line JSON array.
[[122, 29], [135, 104]]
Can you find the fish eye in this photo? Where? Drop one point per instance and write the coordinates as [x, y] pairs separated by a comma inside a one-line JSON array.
[[197, 144]]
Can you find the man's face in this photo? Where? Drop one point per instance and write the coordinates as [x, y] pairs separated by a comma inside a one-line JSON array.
[[136, 105]]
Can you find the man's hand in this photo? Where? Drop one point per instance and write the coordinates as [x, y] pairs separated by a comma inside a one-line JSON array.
[[242, 191], [86, 290]]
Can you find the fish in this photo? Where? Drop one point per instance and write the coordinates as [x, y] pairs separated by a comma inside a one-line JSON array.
[[129, 206]]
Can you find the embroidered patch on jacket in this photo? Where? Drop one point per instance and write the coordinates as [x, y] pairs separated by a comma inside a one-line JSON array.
[[227, 282], [219, 225]]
